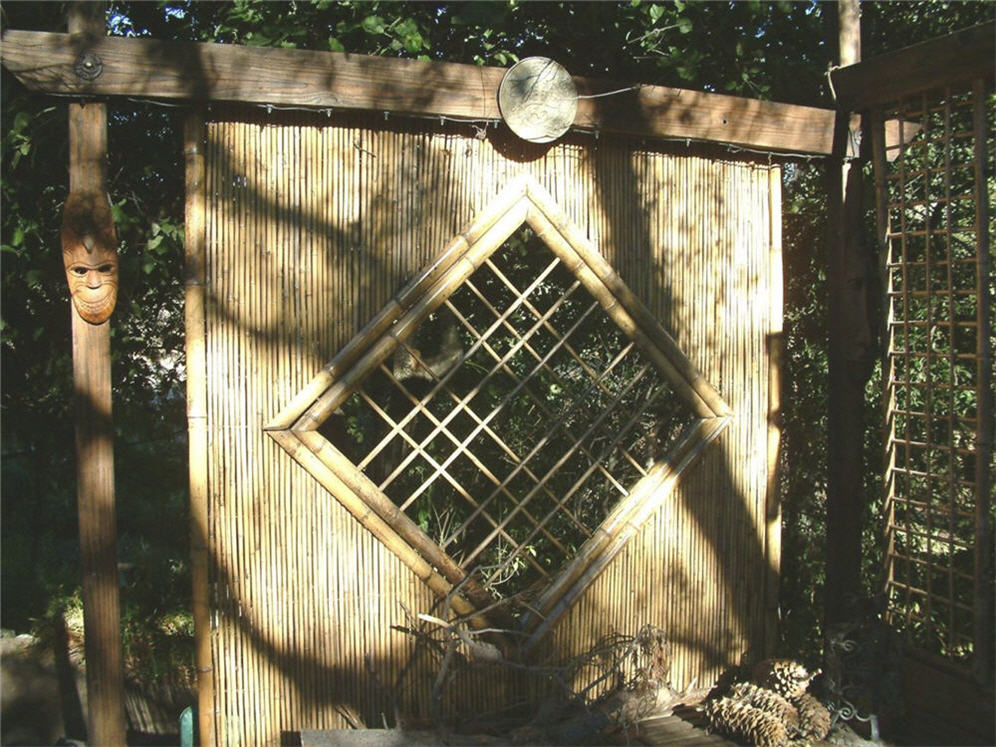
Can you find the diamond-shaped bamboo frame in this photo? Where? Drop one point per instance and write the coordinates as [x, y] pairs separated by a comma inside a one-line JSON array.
[[523, 201]]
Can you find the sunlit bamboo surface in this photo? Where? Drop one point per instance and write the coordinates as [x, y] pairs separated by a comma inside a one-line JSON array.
[[312, 225]]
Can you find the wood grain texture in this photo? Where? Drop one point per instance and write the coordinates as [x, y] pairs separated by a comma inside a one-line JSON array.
[[95, 445], [955, 58], [289, 77], [849, 354], [98, 531]]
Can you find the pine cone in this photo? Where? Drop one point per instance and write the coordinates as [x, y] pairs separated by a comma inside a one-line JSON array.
[[814, 718], [786, 677], [744, 722], [768, 701]]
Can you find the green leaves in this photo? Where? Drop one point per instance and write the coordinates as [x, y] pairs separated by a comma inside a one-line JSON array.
[[21, 142], [165, 238], [410, 37], [373, 25], [374, 31], [18, 141]]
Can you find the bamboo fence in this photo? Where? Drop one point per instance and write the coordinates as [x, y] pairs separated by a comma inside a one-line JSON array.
[[312, 229]]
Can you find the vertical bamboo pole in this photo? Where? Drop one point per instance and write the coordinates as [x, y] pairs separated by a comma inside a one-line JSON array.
[[94, 439], [776, 348], [193, 148], [849, 352]]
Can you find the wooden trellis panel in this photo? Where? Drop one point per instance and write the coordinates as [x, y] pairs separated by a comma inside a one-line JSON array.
[[936, 218], [311, 227]]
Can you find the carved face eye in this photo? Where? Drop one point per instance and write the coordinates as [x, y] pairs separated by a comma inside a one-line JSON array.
[[82, 271]]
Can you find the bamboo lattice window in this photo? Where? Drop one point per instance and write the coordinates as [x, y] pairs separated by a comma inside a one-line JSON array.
[[511, 417], [936, 217]]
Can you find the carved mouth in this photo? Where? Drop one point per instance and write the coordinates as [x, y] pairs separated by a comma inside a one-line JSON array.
[[95, 306]]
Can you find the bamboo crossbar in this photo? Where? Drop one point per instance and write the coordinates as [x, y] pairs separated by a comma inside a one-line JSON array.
[[614, 284], [298, 447], [593, 466], [500, 487], [502, 361], [457, 248], [521, 461], [560, 503], [461, 269], [542, 319], [599, 279], [363, 488], [439, 469], [482, 426], [546, 324], [629, 515]]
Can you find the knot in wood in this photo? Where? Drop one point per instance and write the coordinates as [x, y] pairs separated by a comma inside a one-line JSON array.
[[88, 66]]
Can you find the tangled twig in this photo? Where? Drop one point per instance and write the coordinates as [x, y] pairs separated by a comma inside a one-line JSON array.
[[620, 678]]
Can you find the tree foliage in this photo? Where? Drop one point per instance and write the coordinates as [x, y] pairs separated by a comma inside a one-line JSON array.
[[771, 50]]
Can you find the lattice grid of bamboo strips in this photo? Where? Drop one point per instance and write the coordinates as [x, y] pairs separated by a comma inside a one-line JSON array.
[[936, 216], [575, 415], [310, 230], [497, 379]]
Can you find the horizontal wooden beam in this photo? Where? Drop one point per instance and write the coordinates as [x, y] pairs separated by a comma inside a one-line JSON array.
[[661, 112], [192, 71], [952, 59]]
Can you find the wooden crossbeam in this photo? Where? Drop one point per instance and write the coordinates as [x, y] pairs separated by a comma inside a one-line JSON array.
[[203, 72], [961, 56]]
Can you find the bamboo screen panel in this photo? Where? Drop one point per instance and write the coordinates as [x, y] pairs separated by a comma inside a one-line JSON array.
[[936, 215], [312, 227]]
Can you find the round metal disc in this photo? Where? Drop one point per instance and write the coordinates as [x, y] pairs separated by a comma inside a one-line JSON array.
[[537, 99]]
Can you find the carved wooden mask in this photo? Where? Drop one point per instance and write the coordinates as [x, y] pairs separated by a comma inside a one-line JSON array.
[[89, 252]]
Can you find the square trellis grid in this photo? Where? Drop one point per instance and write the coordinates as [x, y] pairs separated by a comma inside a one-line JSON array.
[[510, 419], [936, 220]]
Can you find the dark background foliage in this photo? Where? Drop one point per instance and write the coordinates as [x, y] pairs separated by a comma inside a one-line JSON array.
[[775, 50]]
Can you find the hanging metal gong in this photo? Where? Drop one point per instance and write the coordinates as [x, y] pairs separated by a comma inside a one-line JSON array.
[[537, 99]]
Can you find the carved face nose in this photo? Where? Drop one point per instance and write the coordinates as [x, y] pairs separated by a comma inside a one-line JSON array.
[[93, 279]]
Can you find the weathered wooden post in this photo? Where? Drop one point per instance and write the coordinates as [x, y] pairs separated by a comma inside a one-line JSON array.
[[851, 346], [89, 244]]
